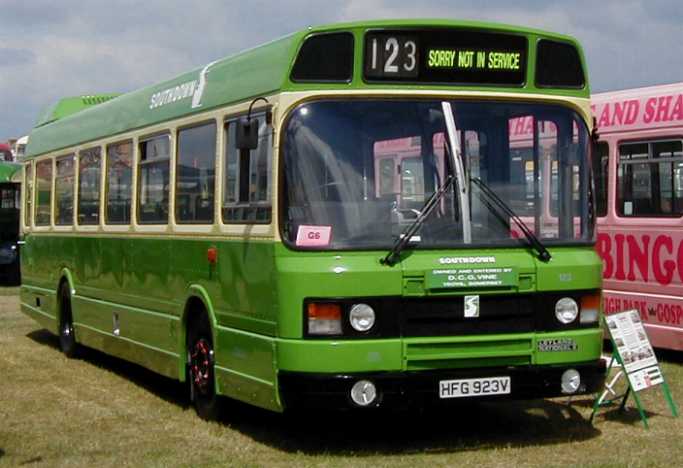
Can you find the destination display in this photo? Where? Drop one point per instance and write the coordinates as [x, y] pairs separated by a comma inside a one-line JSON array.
[[445, 56]]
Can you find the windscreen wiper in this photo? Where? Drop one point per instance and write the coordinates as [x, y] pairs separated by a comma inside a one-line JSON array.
[[543, 253], [404, 239]]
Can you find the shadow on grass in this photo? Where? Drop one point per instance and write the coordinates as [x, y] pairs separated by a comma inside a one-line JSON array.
[[169, 390], [469, 426], [627, 416]]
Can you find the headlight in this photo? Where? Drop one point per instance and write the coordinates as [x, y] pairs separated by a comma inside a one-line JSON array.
[[566, 310], [362, 317]]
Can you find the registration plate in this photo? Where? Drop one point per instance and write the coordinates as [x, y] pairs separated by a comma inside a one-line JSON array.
[[474, 387]]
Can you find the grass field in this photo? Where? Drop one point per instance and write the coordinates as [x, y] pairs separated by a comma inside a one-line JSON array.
[[8, 291], [100, 411]]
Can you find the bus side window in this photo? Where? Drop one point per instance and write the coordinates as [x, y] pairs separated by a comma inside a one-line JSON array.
[[669, 157], [43, 192], [386, 177], [6, 198], [195, 174], [153, 179], [89, 170], [650, 179], [600, 175], [64, 191], [119, 182], [28, 194], [246, 194]]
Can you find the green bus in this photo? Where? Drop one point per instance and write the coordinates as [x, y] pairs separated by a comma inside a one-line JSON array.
[[10, 205], [335, 219]]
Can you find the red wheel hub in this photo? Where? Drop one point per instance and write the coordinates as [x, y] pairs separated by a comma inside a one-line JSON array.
[[200, 364]]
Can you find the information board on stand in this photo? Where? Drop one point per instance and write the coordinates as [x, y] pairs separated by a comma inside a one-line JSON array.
[[633, 353]]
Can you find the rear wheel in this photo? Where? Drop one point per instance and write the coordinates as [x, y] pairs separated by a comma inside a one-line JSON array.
[[67, 337], [201, 374]]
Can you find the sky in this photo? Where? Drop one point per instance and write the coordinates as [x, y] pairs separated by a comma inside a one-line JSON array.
[[53, 49]]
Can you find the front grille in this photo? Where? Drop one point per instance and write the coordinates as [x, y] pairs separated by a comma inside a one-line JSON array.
[[446, 317]]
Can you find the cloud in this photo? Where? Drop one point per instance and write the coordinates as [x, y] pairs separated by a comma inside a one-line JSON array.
[[13, 57], [53, 49]]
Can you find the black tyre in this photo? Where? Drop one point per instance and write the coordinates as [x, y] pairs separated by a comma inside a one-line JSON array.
[[200, 373], [67, 337]]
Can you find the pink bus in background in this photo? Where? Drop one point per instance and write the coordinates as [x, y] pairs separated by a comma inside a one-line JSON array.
[[639, 206], [403, 156]]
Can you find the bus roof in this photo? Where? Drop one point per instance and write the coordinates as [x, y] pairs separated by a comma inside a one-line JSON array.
[[9, 172], [652, 107], [257, 72], [71, 105]]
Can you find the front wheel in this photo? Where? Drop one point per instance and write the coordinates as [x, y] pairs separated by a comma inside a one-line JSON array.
[[201, 370], [67, 337]]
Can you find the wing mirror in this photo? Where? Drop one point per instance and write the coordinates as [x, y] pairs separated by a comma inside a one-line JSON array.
[[246, 137]]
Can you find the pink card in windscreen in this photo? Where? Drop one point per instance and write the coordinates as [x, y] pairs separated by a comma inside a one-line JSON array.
[[313, 236]]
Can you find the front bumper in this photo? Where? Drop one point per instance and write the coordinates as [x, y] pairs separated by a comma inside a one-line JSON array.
[[421, 388]]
